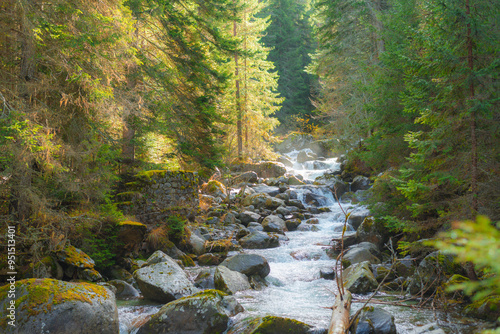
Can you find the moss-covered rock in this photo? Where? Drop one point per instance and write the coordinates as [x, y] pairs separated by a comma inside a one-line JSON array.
[[130, 236], [164, 281], [206, 312], [270, 325], [358, 278], [73, 256], [214, 188], [48, 305]]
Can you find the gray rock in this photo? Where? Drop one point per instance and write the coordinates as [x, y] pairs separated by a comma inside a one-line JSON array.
[[360, 183], [357, 217], [305, 156], [124, 291], [248, 264], [372, 231], [357, 255], [433, 270], [315, 199], [164, 281], [259, 240], [374, 321], [253, 227], [230, 281], [296, 203], [273, 203], [205, 279], [285, 161], [248, 216], [257, 200], [269, 190], [292, 224], [57, 307], [274, 223], [327, 273], [196, 243], [247, 177], [204, 312], [358, 278]]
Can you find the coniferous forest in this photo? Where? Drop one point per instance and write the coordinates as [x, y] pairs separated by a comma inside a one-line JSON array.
[[102, 100]]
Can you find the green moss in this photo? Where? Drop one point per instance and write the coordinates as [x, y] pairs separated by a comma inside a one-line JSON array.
[[131, 223], [187, 261], [40, 295], [76, 257]]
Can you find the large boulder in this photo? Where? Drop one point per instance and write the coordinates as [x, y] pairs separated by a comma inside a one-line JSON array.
[[124, 290], [164, 281], [57, 307], [130, 237], [214, 188], [274, 203], [434, 270], [196, 243], [270, 325], [357, 216], [248, 264], [365, 251], [257, 199], [248, 216], [259, 240], [247, 177], [373, 320], [315, 199], [274, 223], [372, 231], [206, 312], [230, 281], [264, 169], [360, 183], [432, 328], [304, 156], [358, 278]]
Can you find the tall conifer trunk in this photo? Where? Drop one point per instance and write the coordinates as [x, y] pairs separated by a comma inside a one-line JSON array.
[[239, 113]]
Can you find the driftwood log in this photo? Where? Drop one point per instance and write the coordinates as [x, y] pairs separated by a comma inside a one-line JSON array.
[[339, 322]]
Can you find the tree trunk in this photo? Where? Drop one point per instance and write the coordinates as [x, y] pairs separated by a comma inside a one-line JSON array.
[[339, 322], [27, 41], [238, 102]]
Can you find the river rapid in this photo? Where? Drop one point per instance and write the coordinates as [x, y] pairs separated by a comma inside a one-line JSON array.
[[295, 289]]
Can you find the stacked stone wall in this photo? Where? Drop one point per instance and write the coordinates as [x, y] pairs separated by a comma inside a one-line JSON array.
[[162, 193]]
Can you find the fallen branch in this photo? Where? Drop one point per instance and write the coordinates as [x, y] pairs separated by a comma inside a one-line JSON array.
[[339, 322]]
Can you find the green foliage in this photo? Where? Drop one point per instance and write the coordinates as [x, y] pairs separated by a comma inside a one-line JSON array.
[[175, 226], [477, 242], [290, 40], [101, 244]]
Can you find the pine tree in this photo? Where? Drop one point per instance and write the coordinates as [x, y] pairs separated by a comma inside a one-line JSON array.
[[289, 36]]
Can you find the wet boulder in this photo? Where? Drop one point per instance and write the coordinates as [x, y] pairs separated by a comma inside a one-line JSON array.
[[270, 325], [57, 307], [274, 223], [374, 320], [259, 240], [164, 281], [358, 278], [257, 199], [195, 243], [124, 290], [304, 156], [285, 161], [214, 188], [210, 259], [230, 281], [372, 231], [361, 252], [357, 217], [248, 216], [292, 224], [205, 312], [273, 203], [315, 199], [247, 177], [248, 264], [295, 181], [205, 278], [360, 183], [264, 169]]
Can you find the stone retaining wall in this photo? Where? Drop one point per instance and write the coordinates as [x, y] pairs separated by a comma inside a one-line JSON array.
[[162, 193]]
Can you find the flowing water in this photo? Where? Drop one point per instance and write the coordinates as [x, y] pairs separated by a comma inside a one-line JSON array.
[[295, 288]]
